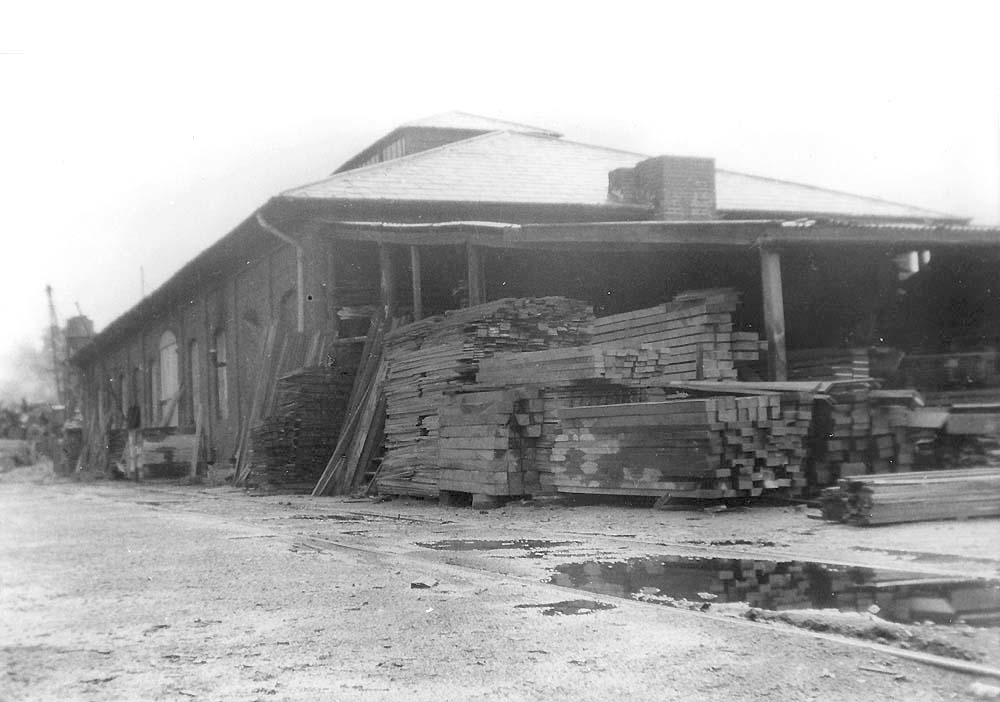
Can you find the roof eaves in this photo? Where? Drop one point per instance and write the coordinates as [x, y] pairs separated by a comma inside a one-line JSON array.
[[928, 214]]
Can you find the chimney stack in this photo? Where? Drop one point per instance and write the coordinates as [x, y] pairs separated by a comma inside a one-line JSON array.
[[678, 187]]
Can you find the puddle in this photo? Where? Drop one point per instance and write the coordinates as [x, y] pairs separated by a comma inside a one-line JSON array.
[[568, 607], [899, 596], [328, 517], [487, 545], [734, 542]]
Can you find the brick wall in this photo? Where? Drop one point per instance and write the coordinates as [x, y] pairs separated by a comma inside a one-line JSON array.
[[678, 187]]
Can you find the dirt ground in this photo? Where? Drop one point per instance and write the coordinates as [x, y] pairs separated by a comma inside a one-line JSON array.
[[123, 591]]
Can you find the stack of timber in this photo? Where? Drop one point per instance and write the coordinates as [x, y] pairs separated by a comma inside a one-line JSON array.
[[281, 353], [362, 430], [439, 356], [639, 366], [705, 448], [697, 327], [480, 440], [828, 364], [555, 397], [912, 497], [893, 439], [842, 433], [863, 431], [292, 446]]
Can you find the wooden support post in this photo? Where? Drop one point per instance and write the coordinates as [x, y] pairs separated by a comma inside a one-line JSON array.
[[388, 279], [418, 301], [774, 314], [477, 281], [196, 454]]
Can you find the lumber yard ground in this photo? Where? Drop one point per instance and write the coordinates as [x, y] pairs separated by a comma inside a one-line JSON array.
[[124, 591]]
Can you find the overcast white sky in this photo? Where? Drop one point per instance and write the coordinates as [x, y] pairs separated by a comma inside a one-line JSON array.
[[136, 134]]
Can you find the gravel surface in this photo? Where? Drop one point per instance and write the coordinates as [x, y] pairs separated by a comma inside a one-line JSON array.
[[118, 591]]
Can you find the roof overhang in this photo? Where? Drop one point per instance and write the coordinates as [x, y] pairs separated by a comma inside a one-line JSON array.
[[609, 236], [725, 233]]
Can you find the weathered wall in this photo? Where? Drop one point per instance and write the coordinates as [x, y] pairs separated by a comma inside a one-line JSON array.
[[242, 302]]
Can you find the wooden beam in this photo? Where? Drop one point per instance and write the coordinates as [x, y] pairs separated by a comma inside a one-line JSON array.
[[888, 236], [477, 278], [387, 279], [418, 300], [774, 314]]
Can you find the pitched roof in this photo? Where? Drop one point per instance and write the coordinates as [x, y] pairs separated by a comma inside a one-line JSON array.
[[464, 120], [515, 167]]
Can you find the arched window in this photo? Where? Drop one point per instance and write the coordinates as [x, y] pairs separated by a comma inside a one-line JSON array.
[[134, 416], [122, 395], [194, 379], [219, 355], [153, 403], [169, 379]]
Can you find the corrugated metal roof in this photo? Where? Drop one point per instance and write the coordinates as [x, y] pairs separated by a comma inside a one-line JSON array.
[[464, 120], [514, 167]]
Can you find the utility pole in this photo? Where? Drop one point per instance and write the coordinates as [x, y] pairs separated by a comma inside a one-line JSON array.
[[54, 341]]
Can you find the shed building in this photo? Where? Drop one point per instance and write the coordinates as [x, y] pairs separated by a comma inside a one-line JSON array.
[[456, 209]]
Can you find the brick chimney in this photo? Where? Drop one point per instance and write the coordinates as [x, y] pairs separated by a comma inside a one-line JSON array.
[[678, 187], [622, 186]]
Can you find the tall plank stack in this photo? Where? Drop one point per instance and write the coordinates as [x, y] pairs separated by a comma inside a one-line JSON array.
[[480, 442], [705, 448], [697, 327], [438, 356], [293, 444]]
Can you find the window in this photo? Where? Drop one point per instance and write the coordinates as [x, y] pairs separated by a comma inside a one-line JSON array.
[[153, 383], [194, 379], [169, 379], [122, 395], [221, 372], [134, 420]]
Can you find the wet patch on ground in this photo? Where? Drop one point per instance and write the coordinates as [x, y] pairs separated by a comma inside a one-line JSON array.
[[568, 607], [928, 556], [894, 595], [533, 545], [328, 517], [927, 639], [759, 543]]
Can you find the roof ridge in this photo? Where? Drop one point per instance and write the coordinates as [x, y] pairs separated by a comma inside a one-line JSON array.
[[393, 162], [835, 191], [583, 143], [532, 127]]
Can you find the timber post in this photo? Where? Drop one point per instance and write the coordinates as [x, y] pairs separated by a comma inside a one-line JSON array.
[[477, 278], [387, 279], [418, 300], [774, 313]]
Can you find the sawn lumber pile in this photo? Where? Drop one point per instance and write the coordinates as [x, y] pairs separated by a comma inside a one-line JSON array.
[[923, 496], [705, 448], [436, 357], [294, 443], [697, 327], [828, 364], [481, 436]]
